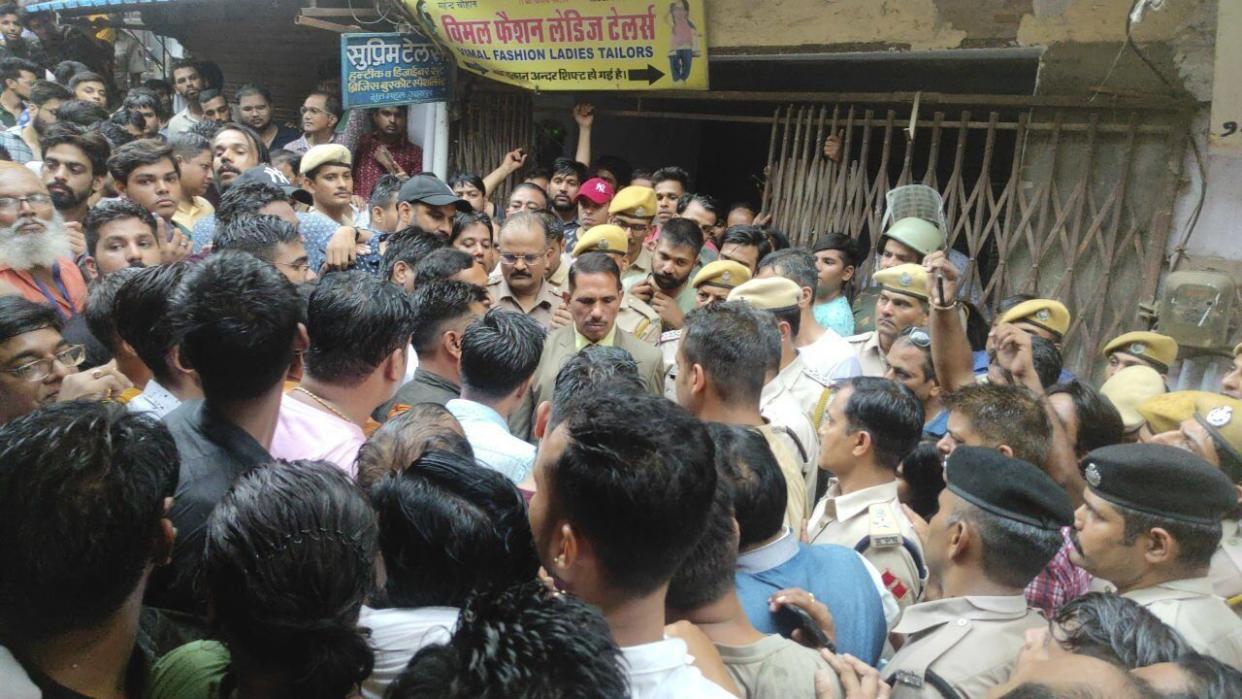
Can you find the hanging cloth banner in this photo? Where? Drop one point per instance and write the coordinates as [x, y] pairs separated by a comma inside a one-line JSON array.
[[576, 45]]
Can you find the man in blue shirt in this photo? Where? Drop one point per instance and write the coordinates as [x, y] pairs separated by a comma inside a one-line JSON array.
[[772, 559]]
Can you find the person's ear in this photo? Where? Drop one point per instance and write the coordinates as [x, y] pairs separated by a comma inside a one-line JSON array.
[[405, 214], [119, 186], [301, 341], [960, 538], [934, 391], [97, 182], [806, 297], [1161, 547], [542, 414], [1006, 450], [90, 268], [848, 274], [566, 552], [393, 370], [698, 379], [126, 348], [452, 343], [862, 443], [401, 272], [1238, 489]]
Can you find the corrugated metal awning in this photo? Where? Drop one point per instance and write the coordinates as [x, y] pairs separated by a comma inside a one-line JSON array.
[[91, 6]]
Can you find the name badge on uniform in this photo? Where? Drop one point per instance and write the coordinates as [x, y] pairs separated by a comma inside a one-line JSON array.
[[910, 679], [882, 527]]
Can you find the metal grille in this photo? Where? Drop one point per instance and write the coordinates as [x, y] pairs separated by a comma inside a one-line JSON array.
[[1068, 204], [487, 126]]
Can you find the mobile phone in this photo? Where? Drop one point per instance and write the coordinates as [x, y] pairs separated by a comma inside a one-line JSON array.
[[790, 617]]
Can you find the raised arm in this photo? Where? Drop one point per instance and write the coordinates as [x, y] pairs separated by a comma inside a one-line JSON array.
[[951, 354], [584, 114], [514, 160]]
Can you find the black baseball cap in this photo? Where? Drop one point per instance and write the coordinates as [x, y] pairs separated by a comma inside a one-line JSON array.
[[431, 190], [268, 174]]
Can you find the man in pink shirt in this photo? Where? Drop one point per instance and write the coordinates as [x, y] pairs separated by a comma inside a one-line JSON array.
[[359, 328]]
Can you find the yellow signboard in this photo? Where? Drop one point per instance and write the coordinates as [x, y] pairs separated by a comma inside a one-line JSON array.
[[574, 44]]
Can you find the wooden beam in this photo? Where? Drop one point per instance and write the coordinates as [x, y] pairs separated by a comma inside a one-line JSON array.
[[991, 101], [304, 21]]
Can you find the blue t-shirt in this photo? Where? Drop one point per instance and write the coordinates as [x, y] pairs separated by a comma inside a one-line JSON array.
[[835, 315], [836, 575], [316, 230]]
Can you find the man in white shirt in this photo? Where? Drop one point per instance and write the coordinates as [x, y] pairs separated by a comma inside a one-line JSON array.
[[617, 506], [824, 351], [499, 354], [188, 82]]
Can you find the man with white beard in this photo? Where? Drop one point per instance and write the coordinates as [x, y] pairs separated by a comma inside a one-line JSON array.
[[35, 255]]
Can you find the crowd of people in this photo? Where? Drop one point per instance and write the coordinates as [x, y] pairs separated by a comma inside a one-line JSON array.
[[283, 416]]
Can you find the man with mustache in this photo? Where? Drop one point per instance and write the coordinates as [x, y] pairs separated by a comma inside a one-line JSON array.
[[320, 113], [903, 301], [146, 173], [254, 105], [525, 252], [385, 150], [567, 178], [668, 289], [595, 297], [22, 142], [1149, 524], [236, 149], [327, 171], [35, 252]]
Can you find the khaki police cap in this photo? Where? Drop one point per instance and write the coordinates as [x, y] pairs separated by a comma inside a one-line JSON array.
[[1130, 388], [324, 154], [725, 274], [1152, 347], [920, 234], [639, 202], [1048, 314], [769, 294], [1219, 414], [603, 238], [909, 279]]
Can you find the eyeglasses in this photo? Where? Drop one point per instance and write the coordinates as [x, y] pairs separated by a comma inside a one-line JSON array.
[[634, 227], [917, 337], [40, 369], [312, 110], [509, 259], [11, 205]]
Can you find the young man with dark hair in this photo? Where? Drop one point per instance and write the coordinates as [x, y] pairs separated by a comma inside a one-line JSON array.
[[870, 426], [145, 105], [594, 299], [359, 328], [75, 165], [1149, 524], [327, 172], [215, 106], [405, 249], [705, 211], [668, 289], [617, 507], [450, 263], [120, 234], [23, 141], [499, 354], [99, 318], [567, 178], [194, 158], [254, 107], [236, 149], [98, 483], [271, 239], [188, 82], [565, 649], [83, 113], [702, 593], [447, 530], [1008, 419], [745, 245], [320, 113], [670, 184], [39, 367], [18, 76], [260, 190], [441, 311], [146, 173], [726, 349], [386, 149], [141, 314], [997, 527], [836, 263], [239, 324], [89, 87]]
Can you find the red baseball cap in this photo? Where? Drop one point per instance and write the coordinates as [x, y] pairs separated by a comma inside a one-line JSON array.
[[597, 190]]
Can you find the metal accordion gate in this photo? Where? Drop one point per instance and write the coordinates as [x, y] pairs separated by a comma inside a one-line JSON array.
[[485, 125], [1057, 198]]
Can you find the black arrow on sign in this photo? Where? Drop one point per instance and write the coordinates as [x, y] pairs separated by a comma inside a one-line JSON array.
[[650, 74], [476, 68]]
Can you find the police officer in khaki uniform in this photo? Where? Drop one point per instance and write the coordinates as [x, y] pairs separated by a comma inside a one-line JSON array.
[[907, 241], [902, 302], [1130, 388], [712, 283], [1231, 383], [1047, 318], [1174, 501], [1210, 425], [860, 509], [998, 525], [794, 397], [633, 209], [1138, 349], [635, 316]]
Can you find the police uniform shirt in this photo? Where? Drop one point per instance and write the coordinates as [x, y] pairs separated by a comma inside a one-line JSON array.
[[807, 389], [546, 302], [847, 520], [1226, 570], [969, 643], [800, 436], [870, 357], [668, 343], [795, 495], [560, 278], [831, 357], [639, 319], [1190, 607], [638, 269]]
